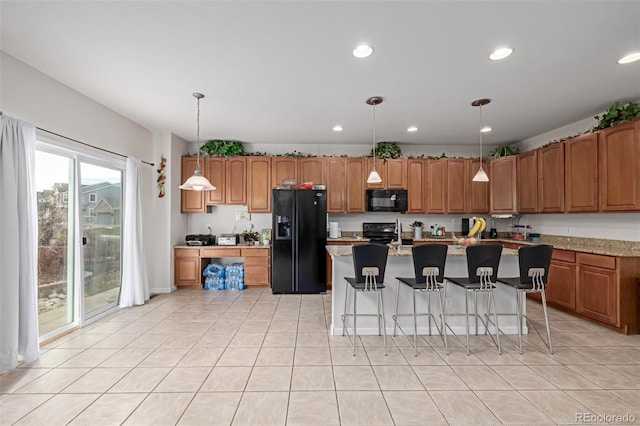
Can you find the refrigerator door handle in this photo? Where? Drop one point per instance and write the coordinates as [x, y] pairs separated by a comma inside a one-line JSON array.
[[294, 245]]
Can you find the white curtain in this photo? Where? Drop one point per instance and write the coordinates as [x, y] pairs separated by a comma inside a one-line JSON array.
[[18, 244], [135, 283]]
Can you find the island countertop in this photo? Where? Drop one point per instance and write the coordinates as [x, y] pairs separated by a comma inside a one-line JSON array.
[[345, 250]]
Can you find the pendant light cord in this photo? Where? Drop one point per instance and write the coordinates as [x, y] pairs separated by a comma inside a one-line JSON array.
[[481, 136], [374, 136], [198, 133]]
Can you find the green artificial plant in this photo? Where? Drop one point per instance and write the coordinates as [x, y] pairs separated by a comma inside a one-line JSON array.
[[387, 150], [617, 114], [220, 148], [504, 151]]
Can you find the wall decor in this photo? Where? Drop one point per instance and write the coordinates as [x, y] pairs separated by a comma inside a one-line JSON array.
[[162, 176]]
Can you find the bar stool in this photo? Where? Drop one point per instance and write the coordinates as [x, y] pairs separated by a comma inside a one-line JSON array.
[[482, 266], [369, 262], [428, 264], [534, 264]]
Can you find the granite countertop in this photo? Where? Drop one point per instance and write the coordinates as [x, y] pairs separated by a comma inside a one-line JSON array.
[[605, 247], [406, 251], [223, 247]]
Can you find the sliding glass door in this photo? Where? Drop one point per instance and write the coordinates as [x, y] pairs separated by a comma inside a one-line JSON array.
[[101, 204], [79, 237], [55, 184]]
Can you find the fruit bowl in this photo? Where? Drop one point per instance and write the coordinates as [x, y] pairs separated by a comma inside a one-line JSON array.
[[465, 241]]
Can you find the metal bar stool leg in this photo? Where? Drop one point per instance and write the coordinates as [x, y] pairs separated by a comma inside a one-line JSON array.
[[495, 320], [443, 326], [429, 310], [395, 317], [546, 319], [355, 316], [466, 303], [519, 318], [344, 315], [384, 323], [415, 326], [378, 306]]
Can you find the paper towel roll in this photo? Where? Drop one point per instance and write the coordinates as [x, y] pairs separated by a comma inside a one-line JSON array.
[[334, 232]]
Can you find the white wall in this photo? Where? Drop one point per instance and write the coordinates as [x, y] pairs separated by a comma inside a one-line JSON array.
[[32, 96]]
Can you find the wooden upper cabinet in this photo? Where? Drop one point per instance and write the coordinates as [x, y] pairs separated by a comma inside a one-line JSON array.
[[356, 176], [382, 171], [191, 201], [436, 186], [528, 182], [581, 174], [478, 201], [259, 184], [502, 185], [336, 184], [311, 169], [216, 173], [236, 175], [551, 179], [396, 173], [416, 185], [619, 167], [457, 185], [283, 168]]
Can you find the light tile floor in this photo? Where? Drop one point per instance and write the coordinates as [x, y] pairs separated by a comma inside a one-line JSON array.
[[253, 358]]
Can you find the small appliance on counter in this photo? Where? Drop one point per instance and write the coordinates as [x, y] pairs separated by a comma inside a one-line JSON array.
[[200, 240], [228, 239], [334, 230]]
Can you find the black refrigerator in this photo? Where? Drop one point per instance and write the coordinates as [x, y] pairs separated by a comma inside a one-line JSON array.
[[298, 257]]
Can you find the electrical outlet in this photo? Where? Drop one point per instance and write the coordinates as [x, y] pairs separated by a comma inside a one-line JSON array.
[[447, 302], [568, 230], [242, 216], [209, 227]]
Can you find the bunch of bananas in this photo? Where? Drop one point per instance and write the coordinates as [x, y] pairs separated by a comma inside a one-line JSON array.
[[478, 226]]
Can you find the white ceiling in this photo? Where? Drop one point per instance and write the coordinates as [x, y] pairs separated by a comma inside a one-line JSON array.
[[283, 72]]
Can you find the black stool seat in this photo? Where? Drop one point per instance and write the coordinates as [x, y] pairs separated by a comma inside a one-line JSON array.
[[361, 286], [516, 283], [411, 282], [467, 284]]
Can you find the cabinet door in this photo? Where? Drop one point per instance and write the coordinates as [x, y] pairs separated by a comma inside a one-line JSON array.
[[581, 174], [191, 201], [283, 168], [457, 185], [259, 184], [596, 295], [436, 186], [336, 185], [311, 170], [396, 173], [619, 161], [561, 285], [218, 178], [478, 191], [551, 179], [416, 183], [236, 175], [356, 177], [502, 185], [527, 168], [381, 167], [186, 266]]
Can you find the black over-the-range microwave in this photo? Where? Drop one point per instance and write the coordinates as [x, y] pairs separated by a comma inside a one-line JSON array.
[[387, 200]]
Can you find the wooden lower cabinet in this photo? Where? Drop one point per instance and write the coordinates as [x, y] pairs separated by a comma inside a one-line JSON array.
[[561, 286], [186, 266], [189, 263], [597, 295]]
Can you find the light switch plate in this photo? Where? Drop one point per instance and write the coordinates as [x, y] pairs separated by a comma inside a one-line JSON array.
[[242, 216]]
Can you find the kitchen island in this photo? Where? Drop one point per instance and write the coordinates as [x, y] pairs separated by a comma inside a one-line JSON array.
[[400, 264]]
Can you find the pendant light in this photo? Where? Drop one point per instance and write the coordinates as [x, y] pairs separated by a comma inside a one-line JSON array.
[[197, 182], [374, 177], [480, 176]]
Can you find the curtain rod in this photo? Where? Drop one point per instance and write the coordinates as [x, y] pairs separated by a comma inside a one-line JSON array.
[[87, 144]]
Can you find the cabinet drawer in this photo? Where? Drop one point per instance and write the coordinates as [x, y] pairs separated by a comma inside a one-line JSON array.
[[255, 252], [605, 262], [209, 252], [254, 260], [185, 252], [564, 255]]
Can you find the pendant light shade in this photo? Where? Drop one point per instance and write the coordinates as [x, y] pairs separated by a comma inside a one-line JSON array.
[[481, 175], [197, 182], [374, 176]]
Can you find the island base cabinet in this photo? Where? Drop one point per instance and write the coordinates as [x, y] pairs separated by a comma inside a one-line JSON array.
[[187, 267], [597, 290]]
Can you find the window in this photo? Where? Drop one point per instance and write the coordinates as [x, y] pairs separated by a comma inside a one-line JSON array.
[[92, 197]]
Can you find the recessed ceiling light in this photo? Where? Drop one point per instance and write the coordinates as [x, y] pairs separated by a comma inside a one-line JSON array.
[[486, 129], [337, 128], [631, 57], [412, 129], [500, 53], [362, 51]]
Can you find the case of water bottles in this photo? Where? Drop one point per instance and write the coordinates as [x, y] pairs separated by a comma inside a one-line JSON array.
[[221, 277]]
